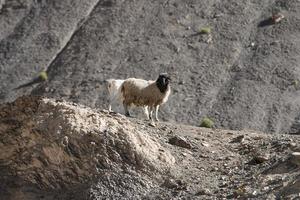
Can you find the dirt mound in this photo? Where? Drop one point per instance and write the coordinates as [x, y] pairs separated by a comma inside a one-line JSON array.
[[53, 145]]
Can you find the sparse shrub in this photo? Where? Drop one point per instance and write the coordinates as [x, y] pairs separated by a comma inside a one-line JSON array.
[[205, 30], [296, 83], [43, 76], [206, 122]]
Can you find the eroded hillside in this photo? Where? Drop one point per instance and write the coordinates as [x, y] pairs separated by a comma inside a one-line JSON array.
[[53, 149], [241, 75]]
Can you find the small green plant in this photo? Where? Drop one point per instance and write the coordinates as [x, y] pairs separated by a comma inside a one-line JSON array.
[[43, 76], [205, 30], [296, 83], [206, 122]]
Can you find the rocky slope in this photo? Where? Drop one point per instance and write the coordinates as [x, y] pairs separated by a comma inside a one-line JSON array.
[[242, 75], [53, 149]]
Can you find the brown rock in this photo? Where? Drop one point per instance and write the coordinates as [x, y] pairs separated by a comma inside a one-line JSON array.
[[204, 192], [238, 139], [276, 18], [261, 158], [296, 158], [180, 141]]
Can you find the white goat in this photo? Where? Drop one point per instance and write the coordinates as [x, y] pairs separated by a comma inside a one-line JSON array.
[[114, 91], [140, 92]]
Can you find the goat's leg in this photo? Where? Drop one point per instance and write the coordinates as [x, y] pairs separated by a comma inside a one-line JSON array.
[[112, 100], [126, 110], [150, 113], [109, 104], [156, 113], [152, 123], [146, 112]]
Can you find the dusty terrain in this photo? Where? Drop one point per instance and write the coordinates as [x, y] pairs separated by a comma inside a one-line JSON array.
[[52, 149], [242, 75]]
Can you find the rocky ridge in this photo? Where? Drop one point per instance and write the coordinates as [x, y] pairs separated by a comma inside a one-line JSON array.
[[53, 149]]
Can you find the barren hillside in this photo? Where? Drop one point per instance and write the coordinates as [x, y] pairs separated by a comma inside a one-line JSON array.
[[52, 149], [241, 75]]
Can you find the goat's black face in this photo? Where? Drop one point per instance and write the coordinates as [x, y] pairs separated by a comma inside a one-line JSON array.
[[163, 82]]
